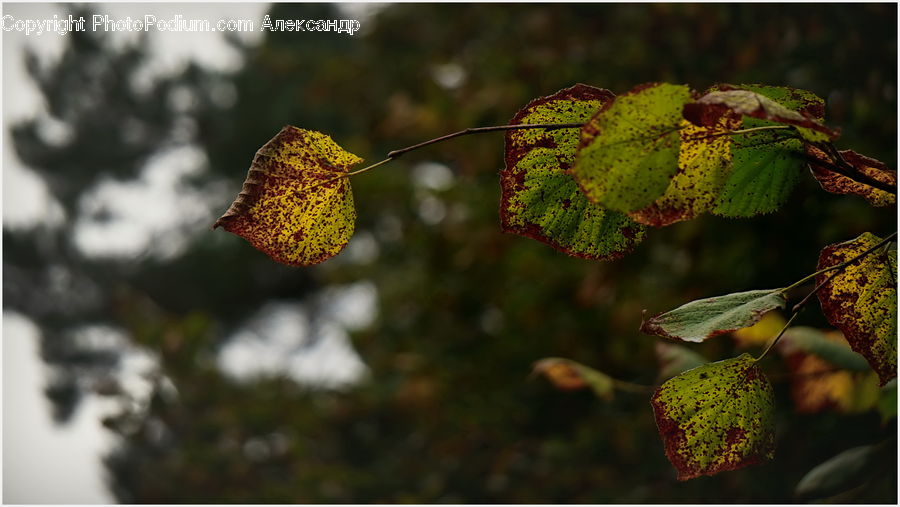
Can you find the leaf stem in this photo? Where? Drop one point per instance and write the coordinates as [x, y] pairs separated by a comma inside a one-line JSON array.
[[631, 387], [778, 337], [723, 133], [757, 129], [346, 175], [808, 278], [367, 168]]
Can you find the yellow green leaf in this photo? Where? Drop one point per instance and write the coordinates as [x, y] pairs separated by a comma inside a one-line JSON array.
[[766, 163], [861, 300], [540, 200], [704, 164], [296, 204], [629, 149], [717, 417]]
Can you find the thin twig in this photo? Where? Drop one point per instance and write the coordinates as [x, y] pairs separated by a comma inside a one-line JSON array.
[[778, 337], [475, 130], [478, 130]]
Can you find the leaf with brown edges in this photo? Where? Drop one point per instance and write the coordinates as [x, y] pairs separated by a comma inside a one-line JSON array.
[[861, 300], [716, 417], [539, 198], [840, 184], [704, 165], [756, 105], [296, 204], [766, 163], [629, 150]]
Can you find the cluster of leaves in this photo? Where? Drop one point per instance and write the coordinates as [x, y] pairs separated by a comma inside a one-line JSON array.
[[587, 172]]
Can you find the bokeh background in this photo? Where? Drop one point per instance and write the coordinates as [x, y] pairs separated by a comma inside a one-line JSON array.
[[399, 370]]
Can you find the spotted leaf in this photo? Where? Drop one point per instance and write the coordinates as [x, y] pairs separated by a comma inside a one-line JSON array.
[[704, 164], [629, 150], [861, 300], [766, 164], [296, 204], [702, 319], [568, 375], [840, 184], [717, 417], [540, 200], [757, 105], [805, 102]]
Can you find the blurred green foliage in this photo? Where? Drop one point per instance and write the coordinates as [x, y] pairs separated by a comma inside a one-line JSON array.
[[447, 413]]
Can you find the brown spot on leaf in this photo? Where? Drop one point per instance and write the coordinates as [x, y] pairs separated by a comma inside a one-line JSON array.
[[861, 301], [295, 205]]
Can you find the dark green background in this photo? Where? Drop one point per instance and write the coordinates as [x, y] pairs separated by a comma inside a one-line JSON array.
[[448, 413]]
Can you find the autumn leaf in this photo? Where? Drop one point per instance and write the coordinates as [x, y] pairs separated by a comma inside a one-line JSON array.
[[756, 105], [766, 168], [826, 374], [805, 102], [702, 319], [629, 150], [840, 184], [766, 164], [568, 375], [717, 417], [861, 300], [704, 164], [540, 200], [296, 204]]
